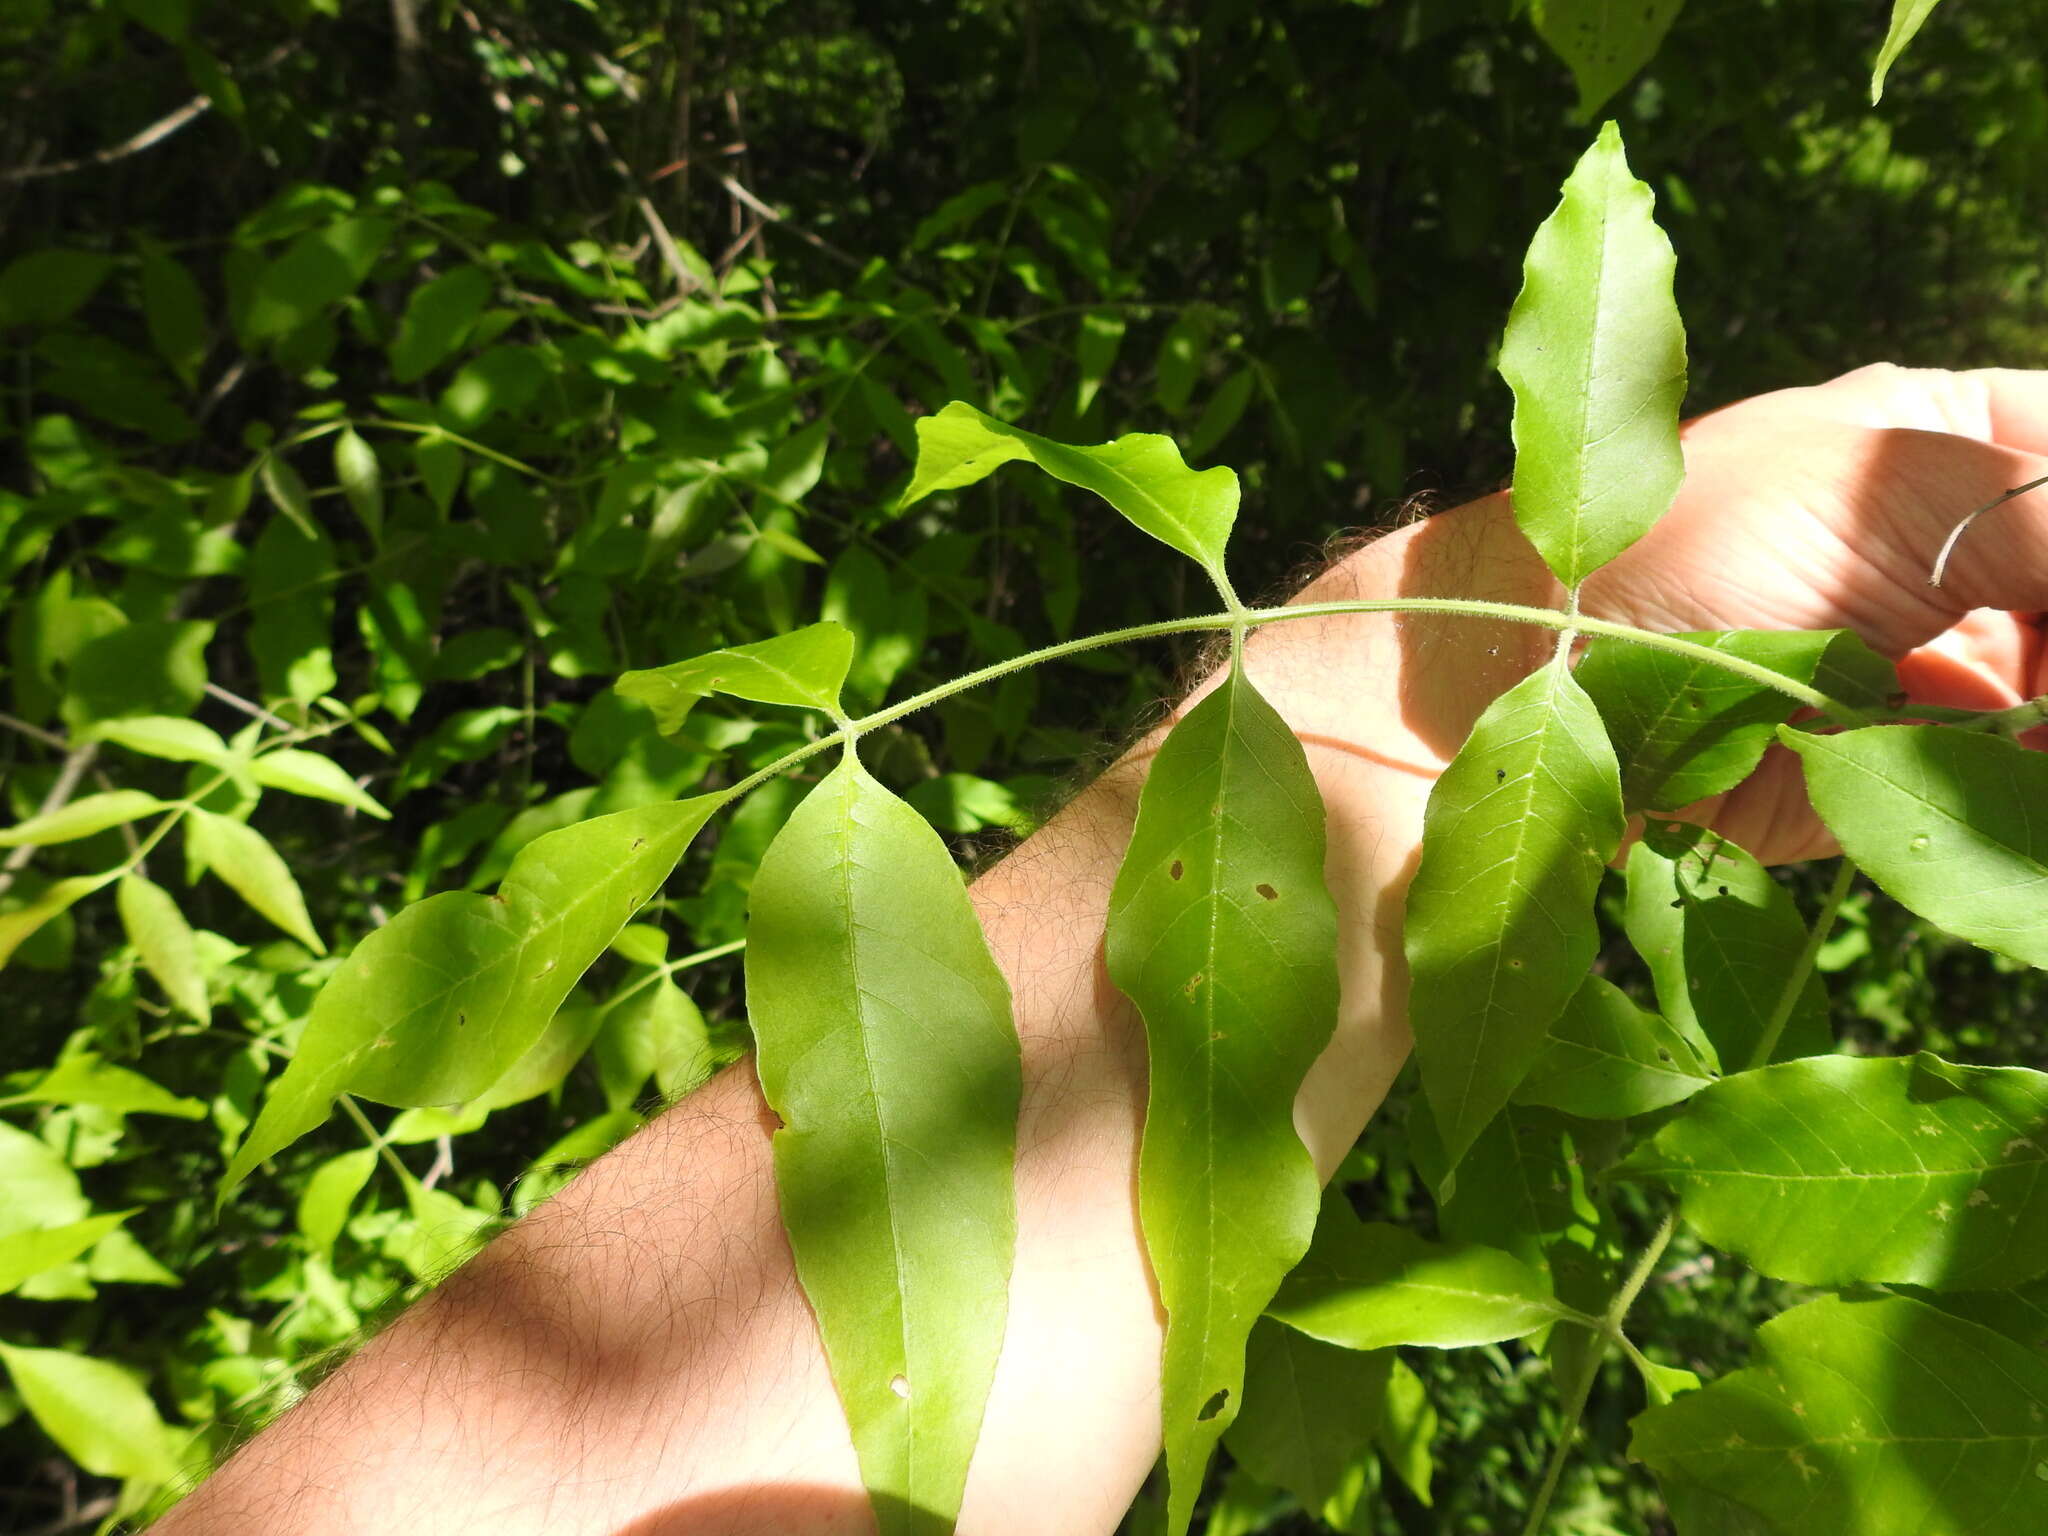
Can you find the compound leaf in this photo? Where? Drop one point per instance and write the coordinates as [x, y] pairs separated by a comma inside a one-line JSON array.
[[1865, 1418], [1834, 1170], [1595, 354], [1223, 934], [886, 1047], [1141, 474], [1369, 1285], [1943, 820], [1500, 914], [438, 1004]]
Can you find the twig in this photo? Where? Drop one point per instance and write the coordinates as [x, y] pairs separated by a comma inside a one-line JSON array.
[[74, 769], [88, 1513], [253, 710], [144, 138], [1955, 534], [35, 733]]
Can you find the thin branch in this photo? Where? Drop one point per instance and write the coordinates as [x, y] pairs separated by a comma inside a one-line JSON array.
[[144, 138], [74, 769], [253, 710]]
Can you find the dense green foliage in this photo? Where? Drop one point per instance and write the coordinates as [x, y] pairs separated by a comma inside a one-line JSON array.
[[375, 418]]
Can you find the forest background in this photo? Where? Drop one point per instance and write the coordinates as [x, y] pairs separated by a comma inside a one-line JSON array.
[[391, 377]]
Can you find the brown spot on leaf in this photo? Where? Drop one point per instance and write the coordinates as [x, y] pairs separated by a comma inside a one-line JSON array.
[[1267, 891], [1176, 870]]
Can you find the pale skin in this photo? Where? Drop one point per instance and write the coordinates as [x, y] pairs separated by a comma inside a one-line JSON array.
[[635, 1357]]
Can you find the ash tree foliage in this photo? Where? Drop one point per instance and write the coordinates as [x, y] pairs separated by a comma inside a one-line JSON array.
[[504, 672]]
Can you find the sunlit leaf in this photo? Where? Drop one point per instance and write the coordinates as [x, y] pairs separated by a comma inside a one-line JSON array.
[[1369, 1285], [1141, 474], [1595, 355], [887, 1049], [805, 667], [1608, 1059], [330, 1190], [23, 1254], [1908, 16], [98, 1414], [1500, 914], [1222, 932], [82, 818], [1101, 334], [1722, 940], [1310, 1413], [253, 870], [1408, 1430], [442, 1001], [361, 479], [1834, 1170], [87, 1079], [287, 491], [1946, 821], [1866, 1418], [160, 934], [298, 772], [20, 924]]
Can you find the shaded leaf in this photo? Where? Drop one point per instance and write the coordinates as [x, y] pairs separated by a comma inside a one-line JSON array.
[[287, 491], [1408, 1430], [46, 287], [1595, 354], [1310, 1413], [1369, 1285], [145, 668], [361, 480], [19, 925], [1602, 43], [1500, 914], [438, 315], [1834, 1170], [1722, 940], [1223, 934], [87, 1079], [1096, 344], [1608, 1059], [175, 311], [1943, 820], [1866, 1418], [253, 870], [160, 934], [886, 1047]]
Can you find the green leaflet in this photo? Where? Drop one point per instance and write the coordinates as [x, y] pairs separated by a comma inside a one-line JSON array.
[[805, 667], [1683, 729], [1500, 913], [1223, 934], [1608, 1059], [165, 941], [1908, 16], [1369, 1285], [252, 869], [1865, 1418], [1602, 43], [82, 818], [1721, 938], [1834, 1170], [86, 1079], [1141, 474], [95, 1411], [1310, 1413], [887, 1048], [20, 924], [441, 1001], [1946, 821], [1595, 354], [1407, 1430], [23, 1254]]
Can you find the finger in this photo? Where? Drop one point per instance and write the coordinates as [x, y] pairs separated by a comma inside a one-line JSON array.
[[1982, 663], [1993, 405], [1935, 499]]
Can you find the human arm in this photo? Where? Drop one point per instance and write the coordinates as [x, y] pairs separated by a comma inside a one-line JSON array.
[[636, 1356]]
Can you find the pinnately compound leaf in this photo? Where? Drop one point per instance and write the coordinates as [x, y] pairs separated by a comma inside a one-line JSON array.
[[1369, 1285], [1500, 915], [887, 1048], [1141, 474], [1602, 42], [1595, 354], [436, 1005], [1722, 939], [1223, 934], [1836, 1170], [1866, 1418], [1948, 822]]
